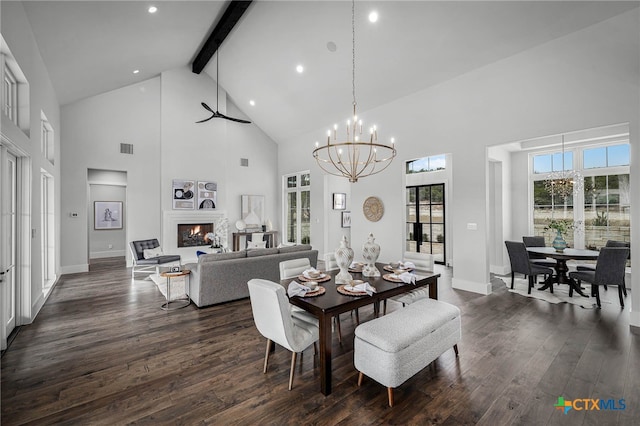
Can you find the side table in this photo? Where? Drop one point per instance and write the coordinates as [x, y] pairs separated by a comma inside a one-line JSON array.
[[176, 304]]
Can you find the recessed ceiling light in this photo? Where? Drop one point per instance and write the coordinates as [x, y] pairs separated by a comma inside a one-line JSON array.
[[300, 69], [331, 46], [373, 16], [136, 71], [252, 102], [152, 9]]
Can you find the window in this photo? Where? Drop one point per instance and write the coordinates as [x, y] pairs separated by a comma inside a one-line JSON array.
[[47, 243], [297, 208], [547, 163], [602, 210], [427, 164], [9, 95], [606, 156], [14, 91], [46, 138]]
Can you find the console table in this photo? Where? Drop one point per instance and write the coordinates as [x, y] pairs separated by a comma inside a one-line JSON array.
[[270, 235]]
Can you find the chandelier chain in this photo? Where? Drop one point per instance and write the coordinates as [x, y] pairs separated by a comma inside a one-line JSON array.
[[353, 52]]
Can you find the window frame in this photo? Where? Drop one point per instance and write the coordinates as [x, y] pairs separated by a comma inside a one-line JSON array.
[[301, 186]]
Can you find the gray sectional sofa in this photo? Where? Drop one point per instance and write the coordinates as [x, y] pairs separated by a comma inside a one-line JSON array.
[[222, 277]]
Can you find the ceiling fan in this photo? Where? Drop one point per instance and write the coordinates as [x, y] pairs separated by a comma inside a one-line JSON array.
[[216, 113]]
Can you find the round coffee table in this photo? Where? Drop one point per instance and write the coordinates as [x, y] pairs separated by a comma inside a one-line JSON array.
[[170, 305]]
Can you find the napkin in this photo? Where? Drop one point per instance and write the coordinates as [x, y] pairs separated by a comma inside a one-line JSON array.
[[306, 272], [363, 287], [407, 277], [409, 265], [297, 289]]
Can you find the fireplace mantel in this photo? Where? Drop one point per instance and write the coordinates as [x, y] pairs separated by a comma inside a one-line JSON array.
[[170, 221]]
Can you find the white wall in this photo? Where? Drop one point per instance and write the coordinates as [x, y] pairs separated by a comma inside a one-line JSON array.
[[107, 242], [17, 33], [211, 151], [584, 80], [158, 117], [92, 133]]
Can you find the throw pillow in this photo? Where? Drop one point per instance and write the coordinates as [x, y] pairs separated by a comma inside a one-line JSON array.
[[256, 244], [154, 252]]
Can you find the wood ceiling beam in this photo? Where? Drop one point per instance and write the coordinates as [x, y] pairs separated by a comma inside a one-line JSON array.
[[229, 19]]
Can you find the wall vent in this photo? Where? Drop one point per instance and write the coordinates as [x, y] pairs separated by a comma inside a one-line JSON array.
[[126, 148], [244, 162]]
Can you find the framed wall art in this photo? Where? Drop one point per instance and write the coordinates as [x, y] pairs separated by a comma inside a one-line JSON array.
[[183, 196], [207, 195], [252, 211], [107, 215], [346, 219], [339, 201]]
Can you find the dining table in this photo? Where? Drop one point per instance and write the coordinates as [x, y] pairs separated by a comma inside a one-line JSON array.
[[332, 303], [561, 257]]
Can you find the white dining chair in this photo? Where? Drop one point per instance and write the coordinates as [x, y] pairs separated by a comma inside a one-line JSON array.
[[291, 269], [274, 321], [330, 263], [423, 262]]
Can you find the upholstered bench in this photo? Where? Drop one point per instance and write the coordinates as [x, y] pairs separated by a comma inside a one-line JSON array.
[[392, 348]]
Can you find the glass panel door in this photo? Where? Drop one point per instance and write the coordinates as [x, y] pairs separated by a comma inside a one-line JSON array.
[[425, 216]]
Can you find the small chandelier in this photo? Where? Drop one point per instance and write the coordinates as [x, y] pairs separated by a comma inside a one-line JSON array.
[[563, 183], [356, 157]]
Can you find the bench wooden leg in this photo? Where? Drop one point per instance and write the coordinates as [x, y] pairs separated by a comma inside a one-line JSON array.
[[390, 393], [360, 377], [455, 349]]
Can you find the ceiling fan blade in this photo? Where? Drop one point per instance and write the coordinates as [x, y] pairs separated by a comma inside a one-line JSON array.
[[237, 120], [206, 119], [207, 107]]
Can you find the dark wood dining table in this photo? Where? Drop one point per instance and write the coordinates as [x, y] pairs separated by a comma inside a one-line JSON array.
[[561, 257], [332, 303]]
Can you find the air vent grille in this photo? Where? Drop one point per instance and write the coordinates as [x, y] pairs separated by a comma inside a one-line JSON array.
[[126, 148], [244, 162]]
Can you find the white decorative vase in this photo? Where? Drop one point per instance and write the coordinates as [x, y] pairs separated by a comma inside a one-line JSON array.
[[344, 257], [370, 253]]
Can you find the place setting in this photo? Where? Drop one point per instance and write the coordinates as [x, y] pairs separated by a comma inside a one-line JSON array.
[[313, 274], [306, 289], [400, 272], [356, 267], [356, 288]]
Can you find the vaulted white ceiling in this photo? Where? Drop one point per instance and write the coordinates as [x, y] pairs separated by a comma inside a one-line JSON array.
[[90, 47]]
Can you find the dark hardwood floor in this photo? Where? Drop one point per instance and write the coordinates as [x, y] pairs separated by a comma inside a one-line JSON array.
[[102, 352]]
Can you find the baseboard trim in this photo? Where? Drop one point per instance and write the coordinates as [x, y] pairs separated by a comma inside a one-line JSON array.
[[74, 269], [110, 253], [472, 286], [499, 270]]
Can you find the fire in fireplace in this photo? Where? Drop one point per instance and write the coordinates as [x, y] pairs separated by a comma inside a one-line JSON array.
[[192, 234]]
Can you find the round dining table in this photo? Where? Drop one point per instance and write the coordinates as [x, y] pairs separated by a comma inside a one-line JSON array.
[[561, 257]]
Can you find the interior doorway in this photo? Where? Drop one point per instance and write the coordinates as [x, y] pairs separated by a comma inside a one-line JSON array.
[[107, 189]]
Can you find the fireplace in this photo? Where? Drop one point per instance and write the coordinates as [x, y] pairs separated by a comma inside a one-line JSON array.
[[192, 234]]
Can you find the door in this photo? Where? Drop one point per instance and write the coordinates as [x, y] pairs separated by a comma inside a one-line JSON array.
[[425, 213], [8, 205]]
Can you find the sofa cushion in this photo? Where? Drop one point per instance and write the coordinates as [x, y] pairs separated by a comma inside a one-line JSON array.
[[222, 256], [290, 249], [261, 252]]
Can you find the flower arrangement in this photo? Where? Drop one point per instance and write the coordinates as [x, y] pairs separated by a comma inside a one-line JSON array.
[[560, 225], [213, 239]]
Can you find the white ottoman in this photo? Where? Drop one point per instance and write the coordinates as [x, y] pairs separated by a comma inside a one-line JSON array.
[[392, 348]]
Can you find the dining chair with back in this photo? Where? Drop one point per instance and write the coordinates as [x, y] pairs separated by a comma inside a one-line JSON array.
[[610, 270], [273, 319], [423, 262], [610, 243], [540, 259], [520, 263], [291, 269]]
